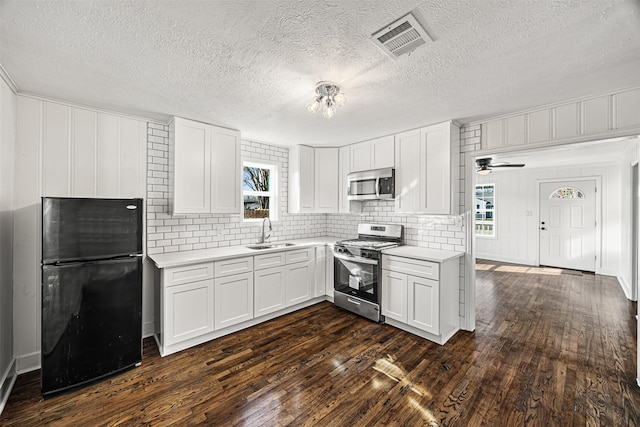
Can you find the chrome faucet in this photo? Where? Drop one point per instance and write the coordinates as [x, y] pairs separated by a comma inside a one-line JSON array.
[[265, 236]]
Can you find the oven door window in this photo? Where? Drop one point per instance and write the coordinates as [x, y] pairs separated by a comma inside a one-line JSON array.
[[354, 278]]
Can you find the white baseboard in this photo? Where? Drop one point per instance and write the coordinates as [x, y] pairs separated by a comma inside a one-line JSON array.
[[511, 260], [6, 385], [148, 329], [28, 362], [626, 288]]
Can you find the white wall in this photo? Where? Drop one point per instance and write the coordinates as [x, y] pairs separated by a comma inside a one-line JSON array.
[[7, 153], [632, 156], [517, 232], [63, 150]]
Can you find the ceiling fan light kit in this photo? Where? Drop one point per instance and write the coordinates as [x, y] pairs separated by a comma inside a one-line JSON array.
[[328, 97]]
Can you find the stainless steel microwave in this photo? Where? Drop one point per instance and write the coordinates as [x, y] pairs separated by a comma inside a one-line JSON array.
[[372, 185]]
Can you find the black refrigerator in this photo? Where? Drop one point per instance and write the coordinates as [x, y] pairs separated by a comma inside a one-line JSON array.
[[91, 290]]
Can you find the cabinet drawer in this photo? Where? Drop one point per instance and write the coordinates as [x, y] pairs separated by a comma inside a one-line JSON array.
[[188, 274], [269, 260], [426, 269], [300, 255], [231, 266]]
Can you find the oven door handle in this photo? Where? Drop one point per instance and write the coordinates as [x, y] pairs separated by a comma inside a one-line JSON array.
[[356, 259]]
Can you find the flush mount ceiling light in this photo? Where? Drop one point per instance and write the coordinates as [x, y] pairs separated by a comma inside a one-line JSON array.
[[328, 97]]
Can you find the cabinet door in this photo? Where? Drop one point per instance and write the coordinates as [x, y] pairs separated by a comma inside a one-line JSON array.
[[225, 171], [330, 272], [439, 156], [307, 177], [321, 271], [344, 204], [326, 180], [233, 300], [383, 152], [192, 167], [407, 147], [188, 311], [269, 291], [424, 304], [300, 281], [360, 156], [394, 295]]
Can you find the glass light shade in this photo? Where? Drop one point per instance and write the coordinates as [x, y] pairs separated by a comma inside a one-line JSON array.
[[484, 171], [339, 99], [328, 111], [313, 106]]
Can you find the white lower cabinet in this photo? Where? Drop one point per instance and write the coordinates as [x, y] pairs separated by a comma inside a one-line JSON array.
[[300, 280], [421, 296], [233, 300], [394, 295], [187, 302], [321, 271], [199, 302], [269, 291], [423, 304], [190, 310]]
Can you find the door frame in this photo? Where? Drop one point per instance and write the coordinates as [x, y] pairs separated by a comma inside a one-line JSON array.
[[598, 242], [635, 230]]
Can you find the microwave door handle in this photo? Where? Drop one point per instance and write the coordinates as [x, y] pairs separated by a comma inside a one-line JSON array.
[[378, 187]]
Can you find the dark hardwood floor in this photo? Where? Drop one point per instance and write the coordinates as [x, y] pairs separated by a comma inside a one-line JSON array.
[[552, 347]]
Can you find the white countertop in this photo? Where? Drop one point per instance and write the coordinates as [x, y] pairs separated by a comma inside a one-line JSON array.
[[425, 254], [175, 259]]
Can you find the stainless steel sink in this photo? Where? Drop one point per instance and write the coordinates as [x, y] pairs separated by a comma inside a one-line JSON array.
[[270, 245]]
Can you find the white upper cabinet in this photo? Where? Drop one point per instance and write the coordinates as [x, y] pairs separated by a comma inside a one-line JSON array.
[[326, 180], [360, 156], [439, 169], [427, 170], [225, 170], [375, 154], [301, 179], [192, 166], [313, 179], [204, 168], [344, 204], [408, 171], [605, 116], [383, 152]]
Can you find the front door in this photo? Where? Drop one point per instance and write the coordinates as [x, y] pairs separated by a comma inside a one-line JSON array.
[[568, 224]]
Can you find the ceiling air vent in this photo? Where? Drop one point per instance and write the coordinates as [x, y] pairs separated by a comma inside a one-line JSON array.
[[401, 36]]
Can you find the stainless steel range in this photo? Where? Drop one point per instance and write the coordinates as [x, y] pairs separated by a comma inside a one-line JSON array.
[[358, 268]]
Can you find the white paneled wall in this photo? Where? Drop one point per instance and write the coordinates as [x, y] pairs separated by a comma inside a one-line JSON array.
[[517, 208], [7, 155], [168, 233], [63, 150]]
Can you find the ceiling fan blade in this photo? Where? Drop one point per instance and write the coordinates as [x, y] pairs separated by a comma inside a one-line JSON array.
[[508, 165]]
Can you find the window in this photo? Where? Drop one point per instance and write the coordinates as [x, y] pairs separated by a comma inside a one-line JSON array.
[[259, 191], [485, 210], [567, 193]]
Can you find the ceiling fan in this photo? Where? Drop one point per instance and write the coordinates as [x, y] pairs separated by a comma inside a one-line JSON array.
[[485, 166]]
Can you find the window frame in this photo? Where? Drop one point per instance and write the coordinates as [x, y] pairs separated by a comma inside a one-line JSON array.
[[476, 210], [274, 209]]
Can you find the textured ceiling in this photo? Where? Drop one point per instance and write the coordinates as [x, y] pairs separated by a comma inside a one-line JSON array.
[[252, 65]]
